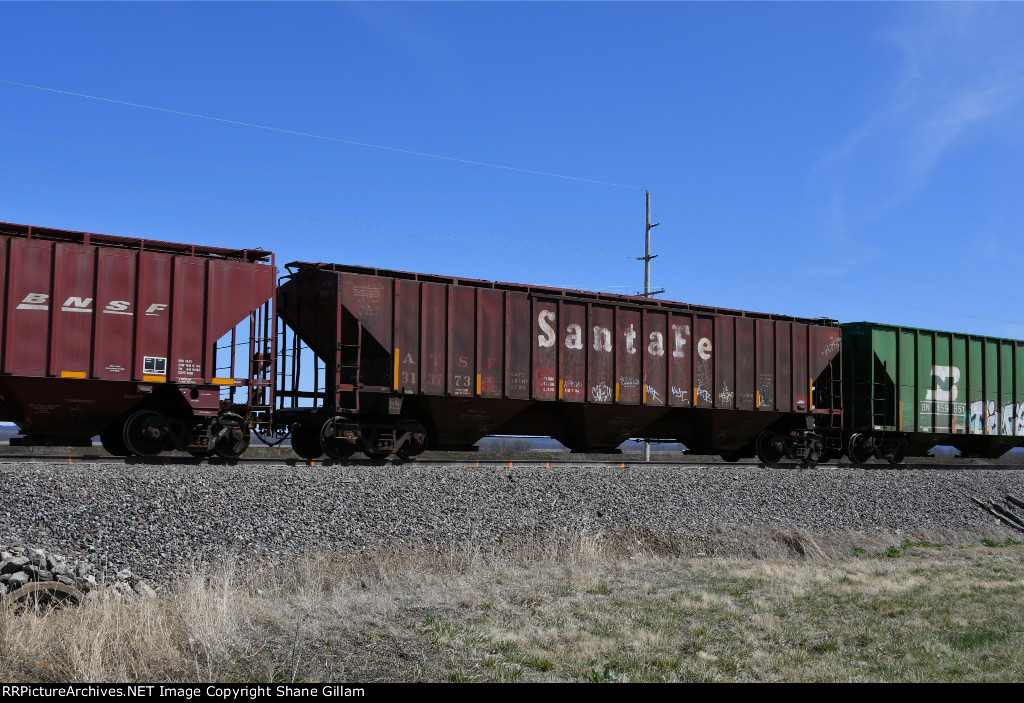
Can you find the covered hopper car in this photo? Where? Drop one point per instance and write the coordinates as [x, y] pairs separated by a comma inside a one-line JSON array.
[[156, 346], [117, 337], [413, 361], [908, 390]]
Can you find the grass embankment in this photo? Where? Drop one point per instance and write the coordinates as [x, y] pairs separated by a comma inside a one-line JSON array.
[[580, 608]]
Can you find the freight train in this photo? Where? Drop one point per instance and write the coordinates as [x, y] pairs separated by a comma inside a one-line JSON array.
[[157, 346]]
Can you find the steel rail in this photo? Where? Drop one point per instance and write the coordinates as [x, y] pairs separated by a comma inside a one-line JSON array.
[[213, 461]]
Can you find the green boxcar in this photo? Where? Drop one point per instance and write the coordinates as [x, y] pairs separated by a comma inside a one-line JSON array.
[[915, 389]]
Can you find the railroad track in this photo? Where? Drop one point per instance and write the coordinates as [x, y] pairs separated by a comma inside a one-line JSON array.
[[472, 463]]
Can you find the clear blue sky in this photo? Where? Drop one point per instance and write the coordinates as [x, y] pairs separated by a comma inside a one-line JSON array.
[[855, 161]]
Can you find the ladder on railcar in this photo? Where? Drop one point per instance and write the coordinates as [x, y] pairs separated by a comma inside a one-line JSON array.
[[262, 354], [348, 388]]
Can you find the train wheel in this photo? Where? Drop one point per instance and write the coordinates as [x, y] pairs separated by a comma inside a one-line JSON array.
[[145, 433], [417, 439], [814, 452], [769, 448], [112, 439], [236, 440], [857, 448], [331, 438], [41, 595], [306, 442], [898, 455]]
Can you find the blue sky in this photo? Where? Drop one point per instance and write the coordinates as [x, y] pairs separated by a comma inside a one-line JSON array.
[[846, 160]]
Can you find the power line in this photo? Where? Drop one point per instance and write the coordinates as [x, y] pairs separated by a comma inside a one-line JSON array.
[[705, 234], [474, 163], [350, 225], [307, 181], [321, 137], [681, 264], [646, 258], [470, 162]]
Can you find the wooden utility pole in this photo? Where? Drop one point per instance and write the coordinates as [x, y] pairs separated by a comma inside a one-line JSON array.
[[646, 258]]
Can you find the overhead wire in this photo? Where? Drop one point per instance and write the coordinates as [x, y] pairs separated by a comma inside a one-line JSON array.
[[322, 137], [308, 181], [788, 254], [352, 225], [888, 243], [476, 163], [679, 263]]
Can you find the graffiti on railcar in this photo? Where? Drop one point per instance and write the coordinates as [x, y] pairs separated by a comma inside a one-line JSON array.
[[987, 418], [653, 397]]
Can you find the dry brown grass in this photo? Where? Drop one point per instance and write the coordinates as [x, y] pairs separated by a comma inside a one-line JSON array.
[[570, 607]]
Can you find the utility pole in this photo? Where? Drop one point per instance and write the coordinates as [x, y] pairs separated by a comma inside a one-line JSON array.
[[646, 258]]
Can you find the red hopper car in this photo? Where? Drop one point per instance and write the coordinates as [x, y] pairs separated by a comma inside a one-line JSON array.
[[408, 361], [117, 337]]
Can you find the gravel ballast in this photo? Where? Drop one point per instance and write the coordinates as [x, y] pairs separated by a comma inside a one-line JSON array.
[[157, 519]]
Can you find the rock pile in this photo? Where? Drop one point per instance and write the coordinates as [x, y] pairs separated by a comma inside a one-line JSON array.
[[21, 565]]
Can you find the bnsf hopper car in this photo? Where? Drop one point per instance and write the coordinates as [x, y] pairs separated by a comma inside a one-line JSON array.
[[115, 336], [413, 361]]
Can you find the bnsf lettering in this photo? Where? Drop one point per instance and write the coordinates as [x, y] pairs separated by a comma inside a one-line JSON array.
[[602, 338], [77, 305], [40, 301], [118, 307], [34, 301]]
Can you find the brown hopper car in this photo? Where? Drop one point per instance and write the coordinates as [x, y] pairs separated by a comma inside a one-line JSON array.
[[413, 361], [116, 336]]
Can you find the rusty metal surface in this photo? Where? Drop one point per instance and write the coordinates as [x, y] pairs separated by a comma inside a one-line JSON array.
[[460, 350], [89, 321], [41, 594]]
